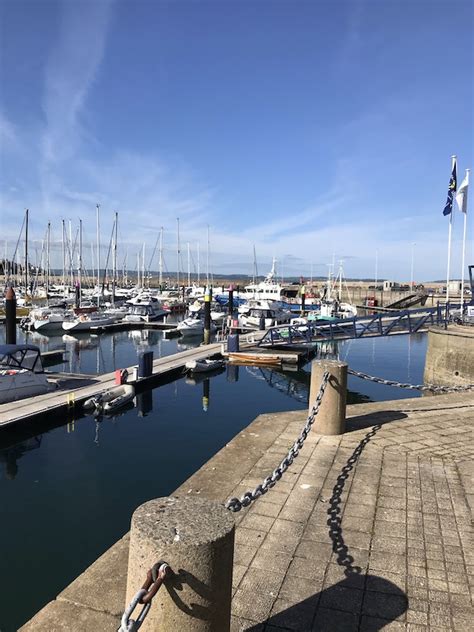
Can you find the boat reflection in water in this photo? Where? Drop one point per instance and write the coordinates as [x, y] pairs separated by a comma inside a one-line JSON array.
[[11, 455]]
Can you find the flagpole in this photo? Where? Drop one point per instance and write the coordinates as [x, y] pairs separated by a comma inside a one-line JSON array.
[[450, 232], [464, 247]]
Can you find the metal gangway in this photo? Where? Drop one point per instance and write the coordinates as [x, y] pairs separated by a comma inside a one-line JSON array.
[[375, 325]]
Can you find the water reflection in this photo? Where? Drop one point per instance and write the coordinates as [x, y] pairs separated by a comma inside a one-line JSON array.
[[295, 384], [144, 403], [11, 455]]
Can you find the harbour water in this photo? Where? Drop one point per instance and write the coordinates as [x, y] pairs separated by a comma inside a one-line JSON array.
[[68, 492]]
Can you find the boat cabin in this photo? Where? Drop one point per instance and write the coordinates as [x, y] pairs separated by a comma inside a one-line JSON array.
[[20, 357]]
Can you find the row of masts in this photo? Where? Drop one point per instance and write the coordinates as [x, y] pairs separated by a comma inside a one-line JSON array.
[[70, 248]]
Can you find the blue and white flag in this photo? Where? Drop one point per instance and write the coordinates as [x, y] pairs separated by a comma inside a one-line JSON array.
[[461, 196], [451, 191]]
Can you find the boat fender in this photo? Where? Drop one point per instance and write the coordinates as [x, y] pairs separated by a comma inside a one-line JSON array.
[[123, 376]]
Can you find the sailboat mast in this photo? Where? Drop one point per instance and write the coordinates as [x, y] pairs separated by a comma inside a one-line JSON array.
[[64, 259], [114, 275], [340, 280], [26, 251], [198, 265], [189, 266], [71, 255], [98, 253], [79, 272], [178, 254], [48, 254], [160, 279]]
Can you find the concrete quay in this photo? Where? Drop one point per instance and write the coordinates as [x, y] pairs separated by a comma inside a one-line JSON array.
[[366, 531]]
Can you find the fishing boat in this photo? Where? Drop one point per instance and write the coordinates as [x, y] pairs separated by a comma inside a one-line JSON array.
[[268, 289], [110, 400], [21, 373], [203, 366]]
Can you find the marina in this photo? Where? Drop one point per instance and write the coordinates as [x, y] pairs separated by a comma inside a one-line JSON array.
[[236, 317], [184, 422]]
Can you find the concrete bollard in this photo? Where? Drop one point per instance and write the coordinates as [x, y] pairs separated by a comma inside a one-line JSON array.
[[10, 317], [331, 417], [195, 536]]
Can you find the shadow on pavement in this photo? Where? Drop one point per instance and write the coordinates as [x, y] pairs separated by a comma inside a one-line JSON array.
[[379, 418]]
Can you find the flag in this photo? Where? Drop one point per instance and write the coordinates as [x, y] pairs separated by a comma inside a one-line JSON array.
[[451, 190], [461, 197]]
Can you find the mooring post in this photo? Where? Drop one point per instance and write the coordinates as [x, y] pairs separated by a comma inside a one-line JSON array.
[[195, 537], [331, 417], [207, 317], [10, 317], [230, 309]]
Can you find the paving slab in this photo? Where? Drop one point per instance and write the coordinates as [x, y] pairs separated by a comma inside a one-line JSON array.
[[367, 531]]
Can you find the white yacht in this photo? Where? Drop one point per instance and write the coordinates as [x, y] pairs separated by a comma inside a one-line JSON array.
[[21, 373], [193, 327], [46, 320], [85, 322]]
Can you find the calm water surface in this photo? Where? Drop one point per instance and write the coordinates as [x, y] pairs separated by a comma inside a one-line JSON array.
[[67, 493]]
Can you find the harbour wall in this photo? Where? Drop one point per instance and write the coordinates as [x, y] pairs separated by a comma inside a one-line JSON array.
[[450, 355]]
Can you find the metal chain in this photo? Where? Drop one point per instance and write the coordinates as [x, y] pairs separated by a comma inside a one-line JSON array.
[[236, 504], [413, 387], [155, 577]]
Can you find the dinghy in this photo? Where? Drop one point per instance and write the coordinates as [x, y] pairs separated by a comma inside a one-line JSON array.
[[204, 366], [110, 400]]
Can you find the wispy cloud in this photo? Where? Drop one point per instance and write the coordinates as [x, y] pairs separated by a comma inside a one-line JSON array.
[[73, 66]]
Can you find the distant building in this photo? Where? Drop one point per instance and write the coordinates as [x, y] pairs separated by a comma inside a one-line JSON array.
[[454, 287]]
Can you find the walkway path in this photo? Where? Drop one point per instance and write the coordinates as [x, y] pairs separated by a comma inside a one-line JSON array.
[[367, 531]]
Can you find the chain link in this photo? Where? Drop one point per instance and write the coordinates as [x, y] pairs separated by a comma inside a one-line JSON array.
[[236, 504], [414, 387], [155, 577]]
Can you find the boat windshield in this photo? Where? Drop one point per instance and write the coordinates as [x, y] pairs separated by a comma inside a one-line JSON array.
[[140, 310], [20, 357]]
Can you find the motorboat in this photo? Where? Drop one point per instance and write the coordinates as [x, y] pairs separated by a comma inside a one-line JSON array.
[[21, 373], [192, 327], [110, 400], [44, 320], [85, 322], [268, 316], [203, 366], [145, 312]]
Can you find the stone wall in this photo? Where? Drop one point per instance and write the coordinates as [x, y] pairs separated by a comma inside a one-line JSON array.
[[450, 355]]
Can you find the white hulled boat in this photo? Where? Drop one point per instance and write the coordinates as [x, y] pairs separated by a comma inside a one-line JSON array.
[[21, 373]]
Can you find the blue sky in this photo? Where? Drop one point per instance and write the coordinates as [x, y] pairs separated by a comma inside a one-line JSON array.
[[310, 129]]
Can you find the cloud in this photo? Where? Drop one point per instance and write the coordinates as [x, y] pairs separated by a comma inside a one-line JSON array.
[[71, 70]]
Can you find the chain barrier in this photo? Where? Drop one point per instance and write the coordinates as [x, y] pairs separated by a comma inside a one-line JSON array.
[[414, 387], [236, 504], [154, 578]]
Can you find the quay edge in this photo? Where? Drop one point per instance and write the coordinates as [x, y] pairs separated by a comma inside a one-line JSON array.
[[95, 600]]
